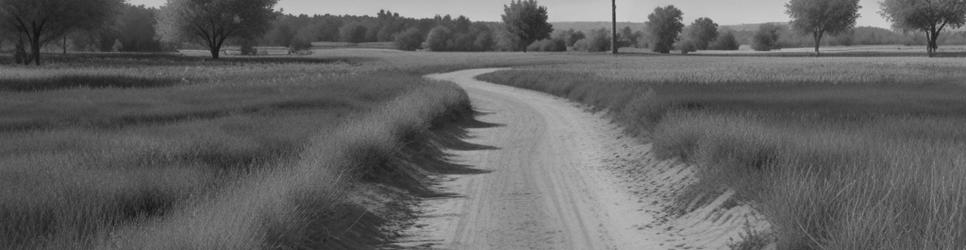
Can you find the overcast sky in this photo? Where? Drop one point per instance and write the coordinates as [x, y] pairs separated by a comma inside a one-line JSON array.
[[722, 11]]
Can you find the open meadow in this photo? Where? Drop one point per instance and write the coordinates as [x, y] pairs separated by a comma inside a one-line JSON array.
[[374, 124], [837, 152], [153, 151], [120, 151]]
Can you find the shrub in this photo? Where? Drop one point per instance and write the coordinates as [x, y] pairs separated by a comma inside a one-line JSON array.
[[411, 39], [599, 40], [248, 47], [766, 38], [726, 41], [484, 41], [504, 41], [570, 36], [439, 39], [464, 42], [687, 46], [701, 33], [299, 44], [548, 45]]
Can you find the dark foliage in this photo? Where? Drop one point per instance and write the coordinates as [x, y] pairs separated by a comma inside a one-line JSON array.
[[548, 45], [664, 26], [766, 38], [725, 41]]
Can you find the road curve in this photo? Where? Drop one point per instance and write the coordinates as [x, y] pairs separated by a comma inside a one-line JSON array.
[[551, 181]]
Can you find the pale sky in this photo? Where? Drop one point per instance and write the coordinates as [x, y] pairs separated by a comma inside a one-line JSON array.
[[724, 12]]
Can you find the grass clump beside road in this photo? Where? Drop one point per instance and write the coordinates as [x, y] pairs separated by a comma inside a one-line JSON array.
[[840, 153], [211, 155]]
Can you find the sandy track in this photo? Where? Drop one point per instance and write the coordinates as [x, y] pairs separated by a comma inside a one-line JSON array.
[[560, 178]]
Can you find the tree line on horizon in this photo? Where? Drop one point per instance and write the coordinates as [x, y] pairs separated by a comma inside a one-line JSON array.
[[115, 25], [817, 20]]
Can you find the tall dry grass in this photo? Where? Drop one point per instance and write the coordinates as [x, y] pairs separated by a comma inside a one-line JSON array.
[[243, 154], [272, 209], [854, 154]]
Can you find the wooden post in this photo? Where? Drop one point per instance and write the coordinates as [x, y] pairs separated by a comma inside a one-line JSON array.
[[613, 39]]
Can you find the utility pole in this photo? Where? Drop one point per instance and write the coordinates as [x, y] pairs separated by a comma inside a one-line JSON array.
[[613, 37]]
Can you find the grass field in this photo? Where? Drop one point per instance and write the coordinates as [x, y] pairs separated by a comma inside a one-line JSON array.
[[839, 153], [149, 151], [167, 151]]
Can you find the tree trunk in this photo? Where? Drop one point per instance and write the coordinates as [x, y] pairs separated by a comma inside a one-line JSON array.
[[934, 42], [215, 52], [35, 49], [818, 42]]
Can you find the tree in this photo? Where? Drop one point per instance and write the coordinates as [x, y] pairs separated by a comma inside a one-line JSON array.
[[462, 24], [627, 37], [353, 33], [135, 27], [725, 41], [212, 22], [820, 17], [439, 39], [309, 33], [463, 41], [527, 21], [281, 35], [328, 28], [411, 39], [766, 38], [931, 17], [571, 37], [687, 46], [597, 41], [484, 41], [664, 25], [248, 47], [702, 32], [38, 22]]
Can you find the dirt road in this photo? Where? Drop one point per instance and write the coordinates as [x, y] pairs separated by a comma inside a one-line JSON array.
[[560, 178]]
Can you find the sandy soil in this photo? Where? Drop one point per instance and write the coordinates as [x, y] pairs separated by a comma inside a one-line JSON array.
[[564, 178]]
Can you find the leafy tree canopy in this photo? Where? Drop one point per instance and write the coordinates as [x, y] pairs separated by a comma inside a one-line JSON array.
[[526, 20], [664, 26], [929, 16], [212, 22], [820, 17], [39, 22]]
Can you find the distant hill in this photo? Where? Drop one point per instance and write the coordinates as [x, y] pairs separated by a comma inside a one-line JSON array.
[[752, 27], [588, 26]]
